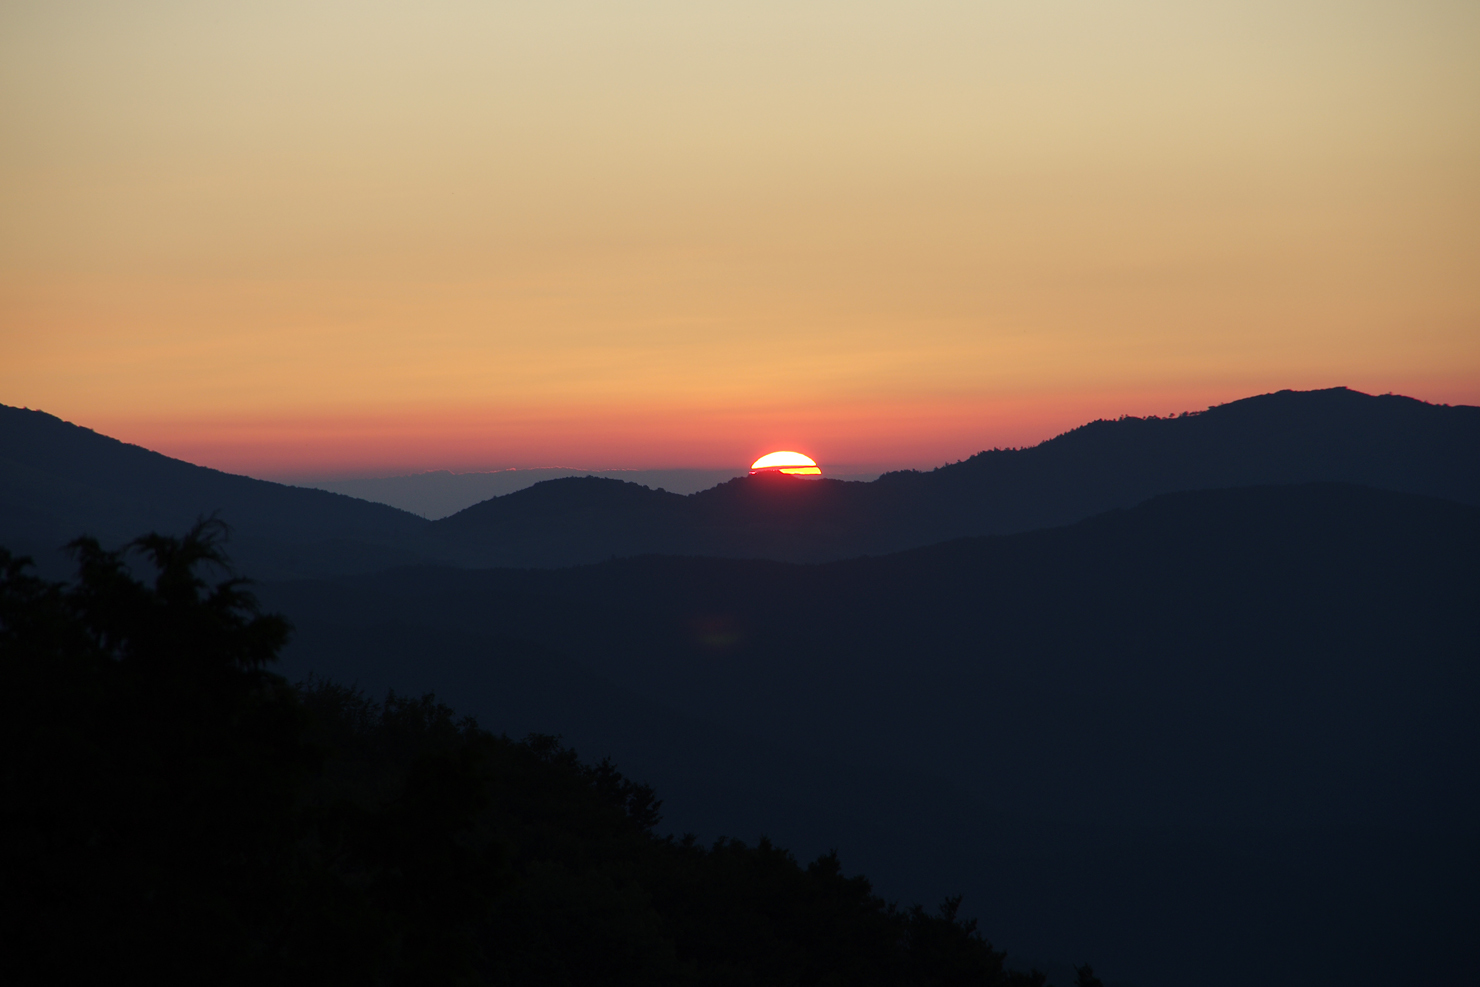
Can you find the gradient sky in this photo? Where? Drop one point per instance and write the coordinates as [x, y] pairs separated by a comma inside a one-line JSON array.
[[310, 238]]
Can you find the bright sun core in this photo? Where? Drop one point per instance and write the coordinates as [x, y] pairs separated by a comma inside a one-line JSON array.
[[791, 463]]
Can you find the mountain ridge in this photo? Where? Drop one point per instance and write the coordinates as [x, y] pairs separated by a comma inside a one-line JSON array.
[[58, 479], [1338, 435]]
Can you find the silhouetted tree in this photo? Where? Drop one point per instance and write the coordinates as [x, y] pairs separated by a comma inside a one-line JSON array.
[[151, 764]]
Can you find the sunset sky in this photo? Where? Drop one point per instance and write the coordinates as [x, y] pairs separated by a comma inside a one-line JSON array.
[[317, 238]]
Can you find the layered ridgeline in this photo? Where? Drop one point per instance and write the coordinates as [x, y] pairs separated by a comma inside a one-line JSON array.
[[1233, 723], [58, 479], [1391, 442]]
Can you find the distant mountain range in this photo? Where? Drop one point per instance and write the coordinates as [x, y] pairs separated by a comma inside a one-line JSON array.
[[57, 479], [1192, 697], [1291, 437]]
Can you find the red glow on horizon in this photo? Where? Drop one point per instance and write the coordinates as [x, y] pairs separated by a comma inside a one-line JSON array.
[[876, 435]]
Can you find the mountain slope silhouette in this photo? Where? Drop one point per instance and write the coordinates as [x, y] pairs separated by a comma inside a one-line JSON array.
[[1230, 723], [1338, 435], [59, 480]]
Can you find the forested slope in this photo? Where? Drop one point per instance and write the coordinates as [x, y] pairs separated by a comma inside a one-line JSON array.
[[177, 813]]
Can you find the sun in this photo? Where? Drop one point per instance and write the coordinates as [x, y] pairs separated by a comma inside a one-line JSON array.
[[790, 463]]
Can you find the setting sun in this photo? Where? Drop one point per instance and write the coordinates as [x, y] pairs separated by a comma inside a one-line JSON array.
[[791, 463]]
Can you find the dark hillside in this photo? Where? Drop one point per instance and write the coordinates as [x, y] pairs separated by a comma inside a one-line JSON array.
[[1244, 715], [177, 813], [1337, 435], [1261, 655], [58, 480]]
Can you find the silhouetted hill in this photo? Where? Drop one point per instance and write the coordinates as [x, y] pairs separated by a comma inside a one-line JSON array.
[[58, 480], [1222, 705], [1339, 435], [440, 493]]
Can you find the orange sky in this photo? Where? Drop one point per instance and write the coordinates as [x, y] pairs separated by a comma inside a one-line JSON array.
[[313, 238]]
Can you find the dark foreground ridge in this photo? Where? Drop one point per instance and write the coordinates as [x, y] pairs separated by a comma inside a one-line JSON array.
[[177, 812]]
